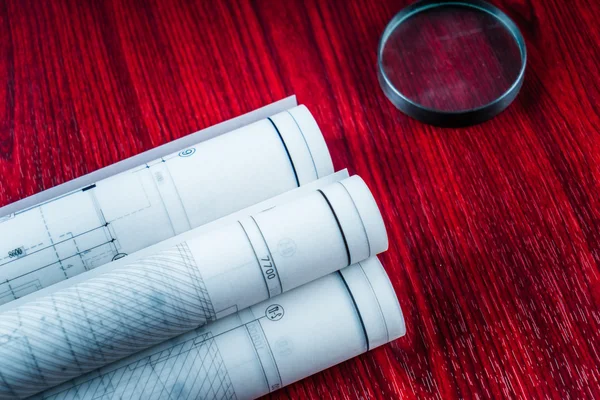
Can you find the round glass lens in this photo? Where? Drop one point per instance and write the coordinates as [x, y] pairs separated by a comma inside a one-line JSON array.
[[451, 58]]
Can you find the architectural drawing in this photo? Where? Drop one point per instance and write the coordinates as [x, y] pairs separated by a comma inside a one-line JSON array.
[[114, 217], [258, 350], [78, 328]]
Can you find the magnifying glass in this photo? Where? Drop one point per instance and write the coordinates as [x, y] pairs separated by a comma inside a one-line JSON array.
[[452, 63]]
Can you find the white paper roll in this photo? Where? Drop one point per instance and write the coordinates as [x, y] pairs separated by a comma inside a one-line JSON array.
[[260, 349]]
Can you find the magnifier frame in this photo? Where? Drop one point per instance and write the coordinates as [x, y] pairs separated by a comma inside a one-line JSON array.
[[450, 118]]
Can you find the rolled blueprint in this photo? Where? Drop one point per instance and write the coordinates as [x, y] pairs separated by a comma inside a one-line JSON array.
[[110, 316], [96, 224], [260, 349]]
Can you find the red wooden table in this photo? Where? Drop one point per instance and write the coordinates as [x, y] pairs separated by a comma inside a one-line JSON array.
[[495, 248]]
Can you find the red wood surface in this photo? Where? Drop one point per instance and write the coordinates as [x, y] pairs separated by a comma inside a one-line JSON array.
[[495, 248]]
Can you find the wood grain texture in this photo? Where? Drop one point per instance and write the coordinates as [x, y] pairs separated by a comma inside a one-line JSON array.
[[495, 247]]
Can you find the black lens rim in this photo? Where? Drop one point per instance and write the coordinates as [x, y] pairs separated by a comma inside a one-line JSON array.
[[459, 118]]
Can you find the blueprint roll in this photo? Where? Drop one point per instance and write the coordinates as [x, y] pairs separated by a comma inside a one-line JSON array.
[[86, 228], [260, 349], [74, 330]]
